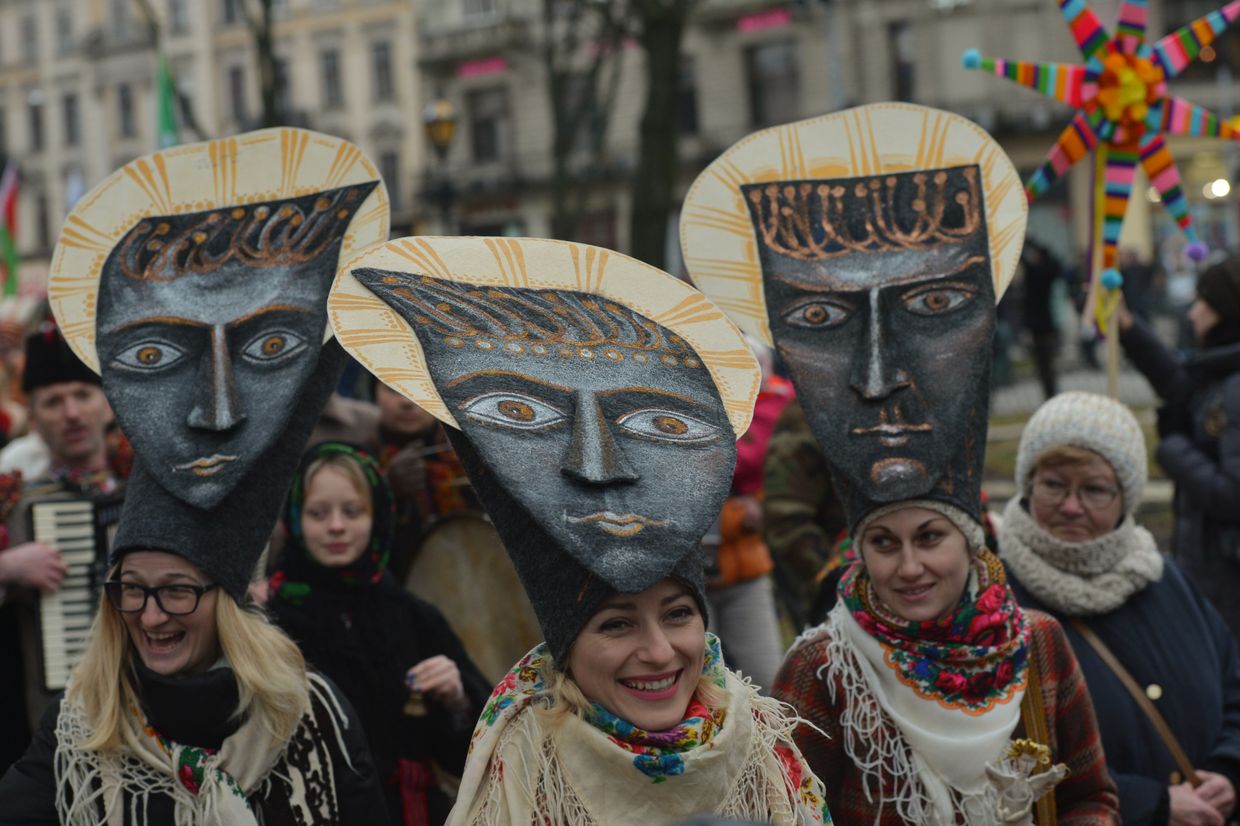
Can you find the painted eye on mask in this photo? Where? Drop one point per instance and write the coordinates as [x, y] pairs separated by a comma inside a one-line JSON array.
[[816, 315], [149, 355], [667, 426], [513, 410], [937, 300], [273, 346]]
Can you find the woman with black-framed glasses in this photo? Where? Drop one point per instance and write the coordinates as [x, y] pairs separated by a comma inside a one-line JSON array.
[[1073, 549]]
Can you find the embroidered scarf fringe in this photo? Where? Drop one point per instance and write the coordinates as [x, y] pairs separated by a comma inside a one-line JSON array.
[[880, 751], [119, 787], [754, 795]]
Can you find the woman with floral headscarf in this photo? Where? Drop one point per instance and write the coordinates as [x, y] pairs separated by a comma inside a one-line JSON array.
[[934, 698], [393, 655]]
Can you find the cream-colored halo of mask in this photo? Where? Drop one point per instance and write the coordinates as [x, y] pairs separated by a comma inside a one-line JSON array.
[[388, 347], [266, 165], [717, 236]]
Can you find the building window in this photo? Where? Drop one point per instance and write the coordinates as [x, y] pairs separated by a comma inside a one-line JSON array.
[[64, 30], [232, 11], [30, 39], [122, 22], [597, 227], [69, 109], [34, 114], [236, 93], [124, 111], [688, 98], [900, 47], [478, 8], [381, 60], [333, 90], [178, 16], [488, 123], [389, 170], [774, 84]]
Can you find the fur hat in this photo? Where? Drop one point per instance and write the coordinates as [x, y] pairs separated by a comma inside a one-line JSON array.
[[1092, 422], [50, 361]]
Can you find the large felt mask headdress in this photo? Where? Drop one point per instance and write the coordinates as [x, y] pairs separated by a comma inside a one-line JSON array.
[[595, 402], [195, 281], [869, 247]]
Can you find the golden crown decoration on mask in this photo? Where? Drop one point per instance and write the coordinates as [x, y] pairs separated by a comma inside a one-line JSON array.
[[814, 220]]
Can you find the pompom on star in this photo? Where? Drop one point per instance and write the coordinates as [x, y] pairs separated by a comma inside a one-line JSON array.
[[1123, 108]]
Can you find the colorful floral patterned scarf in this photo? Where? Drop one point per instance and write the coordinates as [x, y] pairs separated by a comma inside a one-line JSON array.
[[971, 659], [659, 754], [738, 760]]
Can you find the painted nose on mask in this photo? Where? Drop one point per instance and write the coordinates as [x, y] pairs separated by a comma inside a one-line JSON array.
[[874, 376], [593, 456], [215, 397]]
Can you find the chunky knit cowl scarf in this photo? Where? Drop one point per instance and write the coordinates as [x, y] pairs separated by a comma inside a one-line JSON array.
[[1078, 579]]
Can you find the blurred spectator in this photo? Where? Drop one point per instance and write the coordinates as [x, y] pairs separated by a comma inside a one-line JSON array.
[[801, 514], [1199, 426], [1042, 270], [1138, 286], [428, 481], [348, 420], [739, 587]]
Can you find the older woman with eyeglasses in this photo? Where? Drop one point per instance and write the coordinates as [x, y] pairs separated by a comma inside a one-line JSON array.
[[1073, 549]]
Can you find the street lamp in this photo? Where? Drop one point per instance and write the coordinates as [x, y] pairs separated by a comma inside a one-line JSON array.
[[439, 121]]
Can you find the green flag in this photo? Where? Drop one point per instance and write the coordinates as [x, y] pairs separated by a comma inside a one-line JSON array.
[[8, 227], [168, 129]]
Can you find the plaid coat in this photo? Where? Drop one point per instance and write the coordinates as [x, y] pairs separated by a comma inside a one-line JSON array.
[[1086, 797]]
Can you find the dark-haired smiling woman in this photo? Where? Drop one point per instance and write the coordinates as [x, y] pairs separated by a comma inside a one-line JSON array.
[[595, 403], [930, 697]]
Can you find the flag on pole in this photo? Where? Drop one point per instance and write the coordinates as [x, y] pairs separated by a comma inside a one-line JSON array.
[[168, 128], [8, 228]]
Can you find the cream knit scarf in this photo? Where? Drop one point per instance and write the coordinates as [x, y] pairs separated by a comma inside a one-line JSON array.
[[1078, 579], [526, 766]]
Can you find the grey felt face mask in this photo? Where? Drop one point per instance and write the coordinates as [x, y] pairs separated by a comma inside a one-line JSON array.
[[209, 325], [880, 303], [604, 427]]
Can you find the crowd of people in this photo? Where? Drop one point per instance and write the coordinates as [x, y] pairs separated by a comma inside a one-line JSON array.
[[679, 478]]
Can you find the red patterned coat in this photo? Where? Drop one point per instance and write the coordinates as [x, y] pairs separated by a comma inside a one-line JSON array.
[[1087, 797]]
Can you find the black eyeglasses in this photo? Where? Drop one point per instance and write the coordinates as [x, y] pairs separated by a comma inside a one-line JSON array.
[[173, 600]]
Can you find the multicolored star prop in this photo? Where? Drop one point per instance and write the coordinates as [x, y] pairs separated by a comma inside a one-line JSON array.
[[1123, 112]]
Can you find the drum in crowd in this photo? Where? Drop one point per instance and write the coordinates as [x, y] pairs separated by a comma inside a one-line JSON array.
[[461, 568], [56, 628]]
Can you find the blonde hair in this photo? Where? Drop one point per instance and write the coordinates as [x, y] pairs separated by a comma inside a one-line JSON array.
[[269, 669], [349, 467]]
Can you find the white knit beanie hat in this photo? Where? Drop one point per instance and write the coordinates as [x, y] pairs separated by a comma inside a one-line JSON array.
[[1096, 423], [974, 535]]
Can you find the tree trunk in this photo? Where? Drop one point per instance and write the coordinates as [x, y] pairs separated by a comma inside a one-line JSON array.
[[662, 26], [264, 47]]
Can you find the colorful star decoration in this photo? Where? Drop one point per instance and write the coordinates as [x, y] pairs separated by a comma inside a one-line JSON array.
[[1123, 112]]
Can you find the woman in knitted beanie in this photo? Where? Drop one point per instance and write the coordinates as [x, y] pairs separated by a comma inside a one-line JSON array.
[[1074, 550], [1199, 430]]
